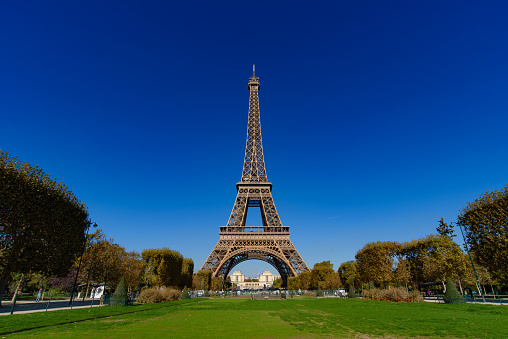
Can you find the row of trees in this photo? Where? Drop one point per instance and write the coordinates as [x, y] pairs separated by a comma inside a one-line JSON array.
[[430, 259], [42, 223], [106, 262], [322, 277], [44, 242], [436, 257]]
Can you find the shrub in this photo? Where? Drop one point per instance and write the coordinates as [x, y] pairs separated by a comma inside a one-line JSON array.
[[170, 294], [120, 296], [155, 295], [416, 296], [150, 296], [185, 293], [397, 294], [452, 295]]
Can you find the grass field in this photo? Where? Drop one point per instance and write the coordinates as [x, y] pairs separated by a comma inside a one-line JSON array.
[[291, 318]]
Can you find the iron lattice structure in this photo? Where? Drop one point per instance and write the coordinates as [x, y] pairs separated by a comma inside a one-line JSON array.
[[270, 242]]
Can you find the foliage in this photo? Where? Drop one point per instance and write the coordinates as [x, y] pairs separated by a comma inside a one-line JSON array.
[[433, 258], [155, 295], [42, 223], [216, 284], [64, 283], [402, 271], [120, 295], [185, 293], [150, 296], [375, 261], [170, 294], [485, 223], [277, 283], [322, 274], [445, 229], [452, 295], [187, 272], [351, 291], [392, 294], [132, 267], [204, 279], [293, 283], [163, 267], [305, 280], [348, 273]]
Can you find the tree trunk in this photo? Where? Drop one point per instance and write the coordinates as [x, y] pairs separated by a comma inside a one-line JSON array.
[[19, 287], [444, 286], [4, 280], [460, 286]]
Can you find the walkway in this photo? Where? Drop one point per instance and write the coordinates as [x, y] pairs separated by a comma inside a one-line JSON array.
[[29, 306]]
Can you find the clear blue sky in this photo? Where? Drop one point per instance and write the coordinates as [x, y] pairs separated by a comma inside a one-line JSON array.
[[378, 117]]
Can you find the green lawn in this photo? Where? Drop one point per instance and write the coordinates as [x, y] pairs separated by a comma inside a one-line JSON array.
[[297, 318]]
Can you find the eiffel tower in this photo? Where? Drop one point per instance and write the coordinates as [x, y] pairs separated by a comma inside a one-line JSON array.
[[270, 242]]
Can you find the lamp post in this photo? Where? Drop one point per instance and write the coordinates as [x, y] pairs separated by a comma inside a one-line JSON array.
[[471, 259]]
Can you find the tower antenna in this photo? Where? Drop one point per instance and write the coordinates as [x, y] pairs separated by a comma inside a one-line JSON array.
[[253, 70]]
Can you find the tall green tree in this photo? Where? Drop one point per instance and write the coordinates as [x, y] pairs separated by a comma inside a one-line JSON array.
[[42, 223], [321, 275], [433, 258], [204, 280], [376, 261], [348, 273], [187, 272], [485, 222], [163, 267]]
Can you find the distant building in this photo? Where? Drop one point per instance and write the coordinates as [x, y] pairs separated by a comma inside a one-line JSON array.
[[237, 277], [265, 280]]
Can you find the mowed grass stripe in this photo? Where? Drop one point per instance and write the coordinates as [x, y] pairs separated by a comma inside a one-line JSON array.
[[295, 318]]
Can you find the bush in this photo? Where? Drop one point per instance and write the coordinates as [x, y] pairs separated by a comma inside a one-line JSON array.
[[155, 295], [396, 294], [120, 296], [416, 296], [171, 294], [150, 296], [452, 295], [185, 293]]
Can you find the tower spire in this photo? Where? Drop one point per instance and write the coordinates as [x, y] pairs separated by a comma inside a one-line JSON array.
[[254, 164], [253, 70]]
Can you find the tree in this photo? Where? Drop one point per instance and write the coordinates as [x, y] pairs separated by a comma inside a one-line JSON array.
[[375, 262], [120, 296], [163, 267], [321, 274], [204, 279], [305, 280], [348, 273], [445, 229], [187, 272], [277, 283], [433, 258], [216, 284], [485, 223], [42, 223], [402, 271], [451, 294], [132, 269], [293, 283]]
